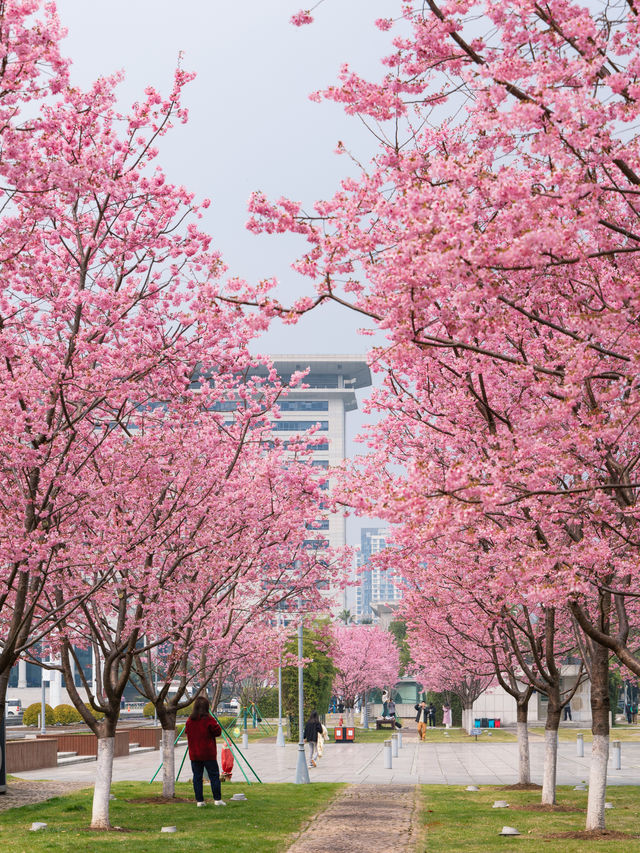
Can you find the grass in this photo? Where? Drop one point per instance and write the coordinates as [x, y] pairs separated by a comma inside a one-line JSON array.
[[273, 815], [454, 820], [623, 733]]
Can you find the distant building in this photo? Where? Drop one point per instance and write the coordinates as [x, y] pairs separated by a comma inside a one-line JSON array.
[[376, 587]]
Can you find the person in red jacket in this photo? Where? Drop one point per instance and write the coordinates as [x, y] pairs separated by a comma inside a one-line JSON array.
[[202, 731]]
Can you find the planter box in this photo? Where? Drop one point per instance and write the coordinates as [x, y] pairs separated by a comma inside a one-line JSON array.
[[87, 743], [31, 754], [146, 736]]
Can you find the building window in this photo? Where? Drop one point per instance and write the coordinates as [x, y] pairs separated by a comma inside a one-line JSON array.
[[304, 405], [299, 426]]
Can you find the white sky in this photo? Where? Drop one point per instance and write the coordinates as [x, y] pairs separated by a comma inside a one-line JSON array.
[[251, 123]]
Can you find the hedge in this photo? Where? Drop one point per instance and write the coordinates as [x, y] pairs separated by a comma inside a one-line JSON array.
[[31, 714], [65, 714]]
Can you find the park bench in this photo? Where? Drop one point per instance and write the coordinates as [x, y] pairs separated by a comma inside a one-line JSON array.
[[386, 722]]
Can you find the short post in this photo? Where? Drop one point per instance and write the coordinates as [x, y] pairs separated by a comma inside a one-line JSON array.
[[245, 739], [617, 763], [580, 745], [43, 706], [387, 755], [399, 740], [365, 721], [394, 745]]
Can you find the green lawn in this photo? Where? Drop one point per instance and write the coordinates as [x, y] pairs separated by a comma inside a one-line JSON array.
[[625, 733], [455, 820], [266, 823]]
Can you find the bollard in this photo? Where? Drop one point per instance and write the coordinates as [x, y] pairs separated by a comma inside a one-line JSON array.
[[245, 740], [394, 745], [387, 754], [617, 764], [580, 745], [399, 740]]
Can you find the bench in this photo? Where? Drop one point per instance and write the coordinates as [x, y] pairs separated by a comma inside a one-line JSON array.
[[384, 722]]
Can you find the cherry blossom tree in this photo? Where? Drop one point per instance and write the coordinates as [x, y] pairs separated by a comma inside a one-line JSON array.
[[364, 656], [493, 239]]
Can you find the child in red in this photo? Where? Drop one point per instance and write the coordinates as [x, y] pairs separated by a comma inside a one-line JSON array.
[[202, 731]]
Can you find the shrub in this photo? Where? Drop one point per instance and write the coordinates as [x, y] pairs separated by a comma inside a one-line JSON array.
[[184, 712], [226, 722], [65, 714], [30, 716], [97, 715], [149, 710]]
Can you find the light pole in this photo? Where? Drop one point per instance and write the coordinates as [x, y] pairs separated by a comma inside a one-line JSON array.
[[280, 735], [302, 772]]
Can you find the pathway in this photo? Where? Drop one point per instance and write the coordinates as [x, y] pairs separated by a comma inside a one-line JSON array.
[[24, 792], [363, 818]]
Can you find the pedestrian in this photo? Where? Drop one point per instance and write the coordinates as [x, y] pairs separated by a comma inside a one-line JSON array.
[[567, 712], [432, 714], [312, 729], [421, 719], [634, 712], [446, 716], [391, 708], [323, 737], [627, 710], [202, 731]]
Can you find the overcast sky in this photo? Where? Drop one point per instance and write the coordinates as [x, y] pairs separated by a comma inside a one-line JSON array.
[[251, 124]]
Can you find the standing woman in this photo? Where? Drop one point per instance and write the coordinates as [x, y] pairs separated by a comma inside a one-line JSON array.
[[202, 731], [312, 729]]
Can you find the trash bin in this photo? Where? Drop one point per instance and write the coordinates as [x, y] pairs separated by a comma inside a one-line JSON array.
[[492, 724], [350, 734], [484, 722], [338, 734], [498, 723], [476, 723]]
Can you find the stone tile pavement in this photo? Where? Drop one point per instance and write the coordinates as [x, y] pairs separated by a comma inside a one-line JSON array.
[[479, 763]]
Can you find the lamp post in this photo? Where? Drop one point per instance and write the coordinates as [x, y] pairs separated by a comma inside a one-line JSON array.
[[43, 705], [302, 772], [280, 735]]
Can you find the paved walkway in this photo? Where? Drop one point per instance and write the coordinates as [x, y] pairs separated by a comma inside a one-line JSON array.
[[362, 817], [363, 764], [24, 792]]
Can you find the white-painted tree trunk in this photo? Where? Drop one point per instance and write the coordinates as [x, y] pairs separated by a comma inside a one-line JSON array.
[[550, 766], [102, 788], [524, 761], [597, 782], [168, 763]]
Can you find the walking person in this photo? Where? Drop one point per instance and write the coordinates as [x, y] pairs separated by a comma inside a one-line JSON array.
[[312, 729], [421, 719], [567, 712], [432, 714], [202, 731], [446, 716]]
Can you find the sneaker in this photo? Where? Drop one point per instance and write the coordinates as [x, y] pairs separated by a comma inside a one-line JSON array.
[[313, 764], [219, 803], [200, 805]]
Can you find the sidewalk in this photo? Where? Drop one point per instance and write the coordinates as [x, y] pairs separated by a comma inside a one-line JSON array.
[[363, 764]]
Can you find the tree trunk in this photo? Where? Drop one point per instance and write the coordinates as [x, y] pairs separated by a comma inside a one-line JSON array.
[[102, 788], [524, 761], [550, 756], [168, 762], [600, 730]]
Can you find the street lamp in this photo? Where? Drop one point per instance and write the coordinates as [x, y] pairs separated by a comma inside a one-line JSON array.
[[280, 735], [302, 772]]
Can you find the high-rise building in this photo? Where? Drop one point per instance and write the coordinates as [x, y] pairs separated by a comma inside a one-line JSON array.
[[375, 586], [330, 394]]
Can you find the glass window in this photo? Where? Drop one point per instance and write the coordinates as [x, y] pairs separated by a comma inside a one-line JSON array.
[[299, 426], [304, 405]]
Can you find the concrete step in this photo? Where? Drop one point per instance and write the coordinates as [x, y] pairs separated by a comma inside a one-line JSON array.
[[75, 759], [66, 755], [139, 749], [133, 746]]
